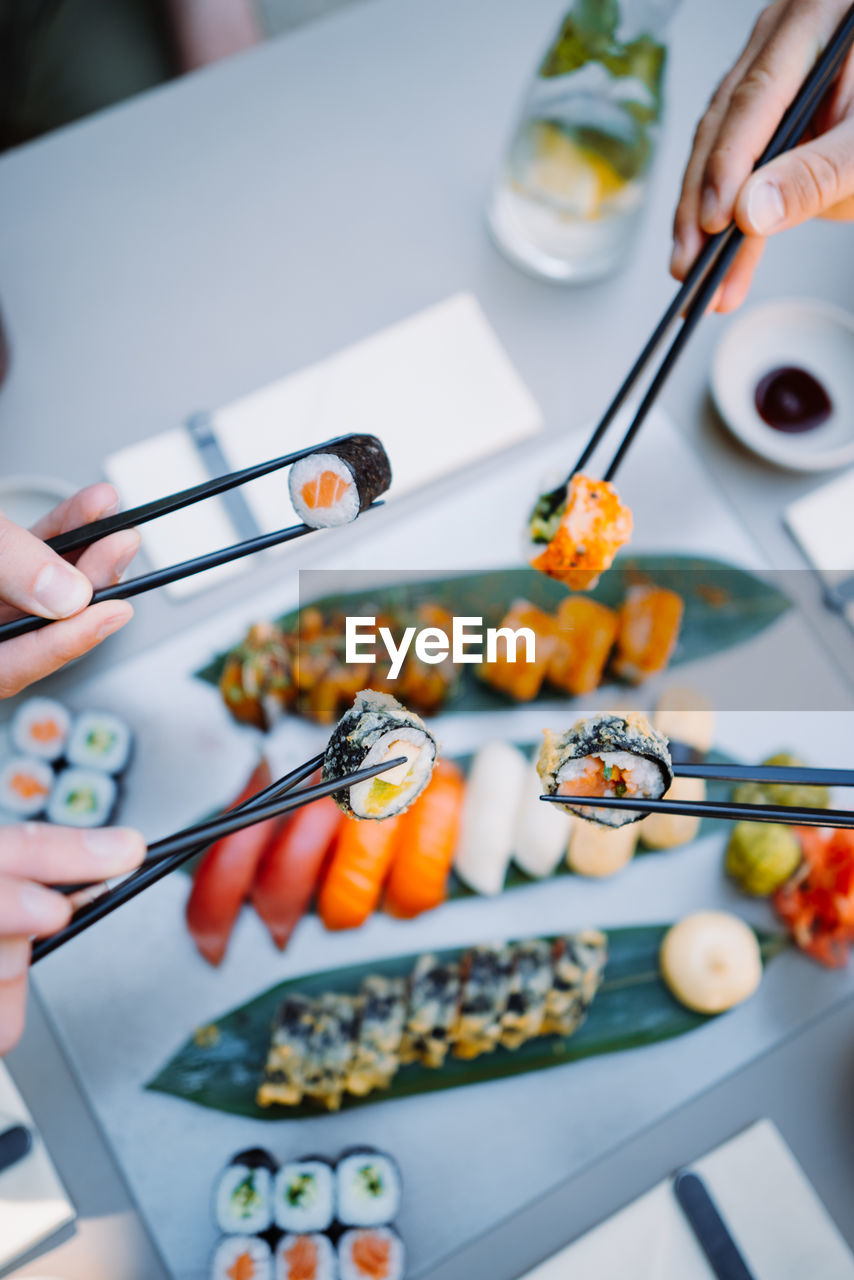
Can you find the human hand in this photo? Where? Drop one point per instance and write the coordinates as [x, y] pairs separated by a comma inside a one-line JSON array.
[[33, 579], [33, 856], [815, 179]]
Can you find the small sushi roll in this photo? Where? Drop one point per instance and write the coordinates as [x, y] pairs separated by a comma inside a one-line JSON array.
[[598, 851], [434, 997], [530, 984], [382, 1023], [371, 1253], [541, 831], [25, 786], [331, 487], [583, 535], [82, 798], [606, 755], [258, 679], [304, 1196], [243, 1199], [100, 740], [330, 1049], [578, 963], [586, 631], [242, 1258], [369, 1188], [521, 679], [378, 728], [306, 1257], [495, 785], [40, 728], [650, 619], [485, 973], [283, 1082]]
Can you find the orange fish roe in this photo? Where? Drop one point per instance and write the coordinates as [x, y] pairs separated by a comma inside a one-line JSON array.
[[372, 1256], [243, 1268], [301, 1259], [594, 525], [324, 490], [26, 786]]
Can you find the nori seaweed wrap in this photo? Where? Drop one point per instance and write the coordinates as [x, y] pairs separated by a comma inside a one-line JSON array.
[[378, 728], [335, 484]]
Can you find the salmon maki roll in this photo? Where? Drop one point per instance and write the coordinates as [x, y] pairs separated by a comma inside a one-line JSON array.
[[584, 535], [650, 619], [519, 678], [334, 485], [586, 631]]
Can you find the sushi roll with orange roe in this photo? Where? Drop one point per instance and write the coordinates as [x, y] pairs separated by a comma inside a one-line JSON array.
[[25, 786], [583, 535], [336, 484]]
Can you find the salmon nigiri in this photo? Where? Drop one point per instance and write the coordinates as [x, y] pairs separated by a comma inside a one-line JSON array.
[[358, 870], [425, 845], [291, 867]]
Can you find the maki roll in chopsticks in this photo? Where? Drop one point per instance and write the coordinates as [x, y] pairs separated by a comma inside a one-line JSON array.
[[382, 1020], [304, 1196], [371, 1253], [242, 1258], [434, 997], [378, 728], [334, 485], [100, 740], [485, 974], [583, 535], [306, 1257], [40, 728], [25, 786], [243, 1200], [82, 798], [606, 755], [578, 963], [369, 1188]]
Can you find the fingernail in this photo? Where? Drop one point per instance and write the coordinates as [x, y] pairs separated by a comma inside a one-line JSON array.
[[677, 255], [39, 904], [14, 958], [111, 624], [765, 207], [117, 845], [61, 590], [709, 205]]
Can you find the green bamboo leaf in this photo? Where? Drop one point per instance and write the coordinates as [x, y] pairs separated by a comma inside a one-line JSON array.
[[220, 1065]]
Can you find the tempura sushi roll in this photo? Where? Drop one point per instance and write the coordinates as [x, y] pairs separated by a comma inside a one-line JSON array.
[[530, 984], [330, 1049], [100, 740], [586, 631], [306, 1257], [485, 974], [650, 619], [25, 786], [369, 1188], [40, 728], [434, 997], [304, 1196], [283, 1080], [511, 672], [583, 535], [378, 728], [332, 486], [243, 1199], [606, 755], [371, 1253], [82, 798], [578, 963], [242, 1258], [382, 1021]]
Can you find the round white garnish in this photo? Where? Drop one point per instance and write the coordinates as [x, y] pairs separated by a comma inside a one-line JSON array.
[[711, 961]]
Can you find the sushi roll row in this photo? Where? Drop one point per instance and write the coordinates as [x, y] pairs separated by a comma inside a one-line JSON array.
[[63, 768], [495, 996], [364, 1253]]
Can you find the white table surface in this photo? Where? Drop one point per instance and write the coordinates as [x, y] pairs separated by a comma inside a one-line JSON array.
[[175, 252]]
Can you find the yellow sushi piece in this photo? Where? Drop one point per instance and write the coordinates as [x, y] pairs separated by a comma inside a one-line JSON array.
[[711, 961], [599, 851], [669, 830], [687, 716]]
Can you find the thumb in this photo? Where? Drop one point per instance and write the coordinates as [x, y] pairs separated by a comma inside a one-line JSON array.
[[35, 579], [807, 182]]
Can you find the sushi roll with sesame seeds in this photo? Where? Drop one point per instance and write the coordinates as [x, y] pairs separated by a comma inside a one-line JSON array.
[[371, 1253], [100, 740], [243, 1198], [40, 728], [82, 798], [335, 484], [376, 728], [606, 755], [369, 1188], [25, 786], [242, 1258]]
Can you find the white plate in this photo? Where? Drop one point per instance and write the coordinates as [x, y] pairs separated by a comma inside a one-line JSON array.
[[25, 499], [811, 335]]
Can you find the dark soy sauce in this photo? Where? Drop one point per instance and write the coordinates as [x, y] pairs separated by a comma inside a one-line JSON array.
[[790, 399]]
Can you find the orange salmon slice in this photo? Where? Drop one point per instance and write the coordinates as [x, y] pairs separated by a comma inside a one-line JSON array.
[[301, 1259], [24, 785], [324, 490], [372, 1257], [44, 730], [243, 1268]]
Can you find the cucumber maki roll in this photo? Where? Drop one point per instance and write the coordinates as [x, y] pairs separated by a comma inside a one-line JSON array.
[[82, 798], [334, 485], [243, 1199], [369, 1188], [245, 1257], [372, 1253], [304, 1196], [40, 728], [606, 755], [25, 786], [306, 1257], [100, 740], [378, 728]]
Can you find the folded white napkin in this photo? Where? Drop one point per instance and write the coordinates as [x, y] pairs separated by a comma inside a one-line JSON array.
[[823, 524], [437, 388], [33, 1203], [772, 1212]]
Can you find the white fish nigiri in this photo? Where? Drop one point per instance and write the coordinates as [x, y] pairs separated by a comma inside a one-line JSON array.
[[488, 823], [542, 830]]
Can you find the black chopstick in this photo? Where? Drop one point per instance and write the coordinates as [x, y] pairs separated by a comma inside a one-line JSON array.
[[770, 775], [165, 856], [790, 815], [713, 1235], [74, 539]]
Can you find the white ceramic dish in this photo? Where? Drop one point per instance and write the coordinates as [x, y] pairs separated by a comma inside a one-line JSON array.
[[25, 499], [805, 333]]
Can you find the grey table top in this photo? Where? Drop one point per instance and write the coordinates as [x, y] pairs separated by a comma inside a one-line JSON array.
[[178, 251]]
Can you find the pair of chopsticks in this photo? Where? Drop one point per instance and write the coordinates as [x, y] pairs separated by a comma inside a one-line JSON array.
[[787, 775], [165, 856], [76, 539], [696, 292]]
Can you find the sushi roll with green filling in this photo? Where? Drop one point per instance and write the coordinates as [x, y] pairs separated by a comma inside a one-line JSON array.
[[378, 728], [40, 728], [606, 755], [242, 1258], [243, 1200], [485, 989], [82, 798], [283, 1081], [100, 740], [25, 786], [530, 984], [334, 485], [434, 998], [304, 1196], [371, 1253], [382, 1022], [330, 1049], [578, 963], [306, 1257], [369, 1188]]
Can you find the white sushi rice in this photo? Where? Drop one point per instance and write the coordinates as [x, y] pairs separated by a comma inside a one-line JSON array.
[[408, 779], [645, 781], [488, 822], [304, 1196], [232, 1248], [349, 1268], [99, 740], [40, 728], [243, 1200], [304, 472], [13, 773], [369, 1189], [82, 798], [542, 831], [326, 1267]]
